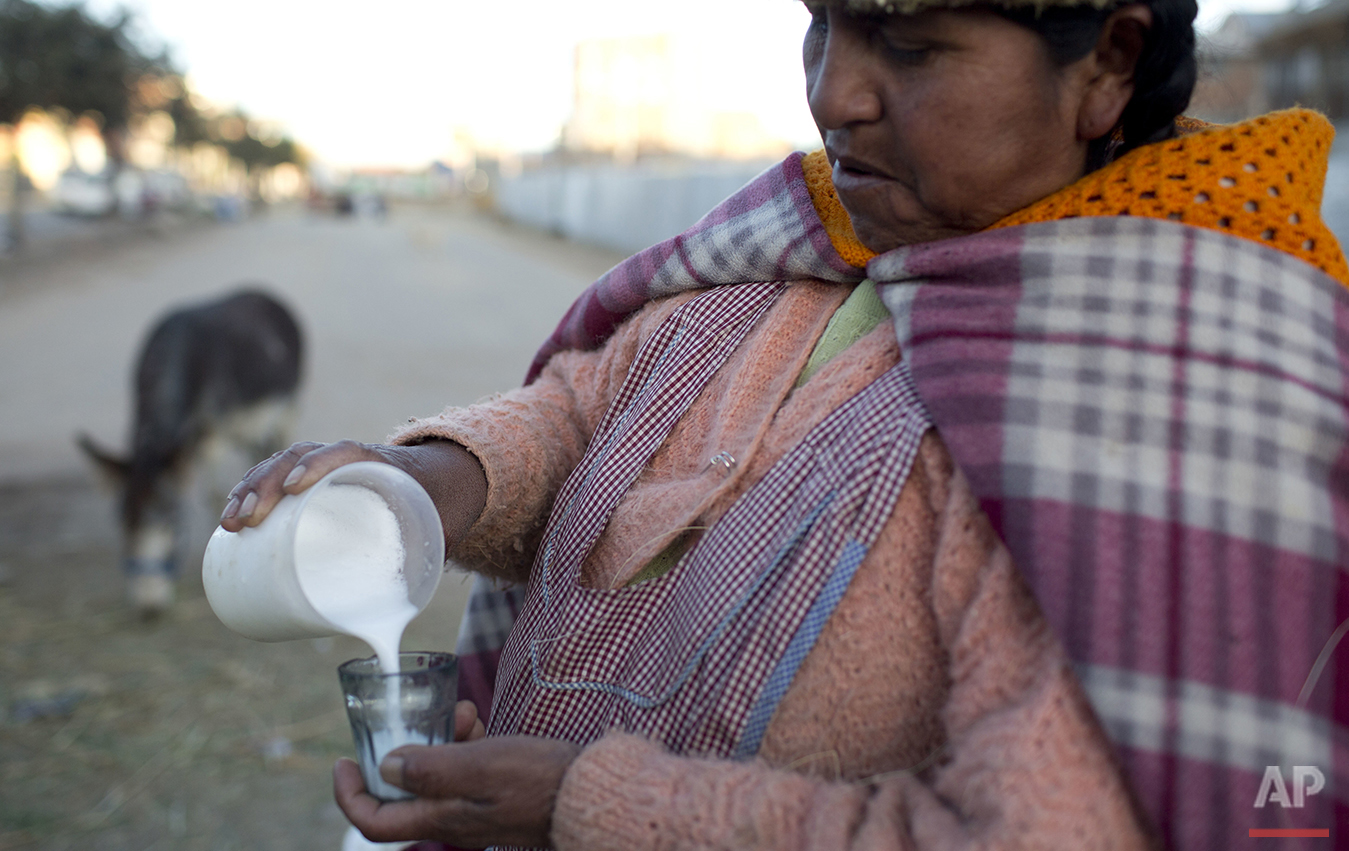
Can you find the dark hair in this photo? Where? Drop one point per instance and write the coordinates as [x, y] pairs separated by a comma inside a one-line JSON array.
[[1163, 79]]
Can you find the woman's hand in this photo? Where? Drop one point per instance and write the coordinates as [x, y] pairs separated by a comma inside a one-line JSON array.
[[449, 473], [289, 472], [468, 727], [497, 791]]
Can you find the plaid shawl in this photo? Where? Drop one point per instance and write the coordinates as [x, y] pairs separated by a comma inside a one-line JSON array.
[[1156, 419], [768, 231]]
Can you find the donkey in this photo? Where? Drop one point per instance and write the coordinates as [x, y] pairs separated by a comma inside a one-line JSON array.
[[213, 380]]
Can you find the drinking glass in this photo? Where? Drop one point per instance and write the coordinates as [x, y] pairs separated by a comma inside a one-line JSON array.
[[412, 707]]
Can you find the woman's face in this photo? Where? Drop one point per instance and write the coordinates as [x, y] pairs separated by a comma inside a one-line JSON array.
[[939, 124]]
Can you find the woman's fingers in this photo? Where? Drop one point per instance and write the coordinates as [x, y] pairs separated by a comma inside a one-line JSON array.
[[503, 787], [322, 460], [459, 821], [379, 821], [497, 791], [254, 497], [287, 472], [349, 790], [468, 726]]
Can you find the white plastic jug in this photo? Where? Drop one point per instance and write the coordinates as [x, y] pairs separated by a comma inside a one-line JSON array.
[[253, 578]]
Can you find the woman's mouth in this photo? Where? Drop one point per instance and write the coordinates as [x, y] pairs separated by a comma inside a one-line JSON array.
[[851, 175]]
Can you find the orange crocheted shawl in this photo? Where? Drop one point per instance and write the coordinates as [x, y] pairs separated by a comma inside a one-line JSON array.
[[1261, 179]]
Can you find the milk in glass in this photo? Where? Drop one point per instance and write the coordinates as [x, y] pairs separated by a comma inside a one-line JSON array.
[[349, 561]]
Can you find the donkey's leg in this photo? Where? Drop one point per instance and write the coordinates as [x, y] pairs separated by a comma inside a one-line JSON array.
[[150, 565]]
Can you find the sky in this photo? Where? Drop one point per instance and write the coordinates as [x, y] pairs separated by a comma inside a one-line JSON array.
[[394, 87]]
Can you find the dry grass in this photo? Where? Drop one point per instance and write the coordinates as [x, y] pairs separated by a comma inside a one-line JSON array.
[[175, 734]]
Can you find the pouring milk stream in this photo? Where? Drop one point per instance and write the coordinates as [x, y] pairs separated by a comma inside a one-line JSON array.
[[349, 562], [360, 553]]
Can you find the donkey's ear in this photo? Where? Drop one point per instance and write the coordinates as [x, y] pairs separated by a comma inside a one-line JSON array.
[[111, 469]]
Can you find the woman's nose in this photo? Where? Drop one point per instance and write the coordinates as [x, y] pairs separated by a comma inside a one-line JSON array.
[[840, 81]]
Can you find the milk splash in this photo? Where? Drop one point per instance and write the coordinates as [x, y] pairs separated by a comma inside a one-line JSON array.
[[349, 561]]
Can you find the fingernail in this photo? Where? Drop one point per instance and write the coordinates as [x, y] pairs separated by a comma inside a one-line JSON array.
[[391, 769], [294, 477], [250, 502], [231, 508]]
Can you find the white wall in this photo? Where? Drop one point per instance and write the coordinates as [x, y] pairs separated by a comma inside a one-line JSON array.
[[623, 208]]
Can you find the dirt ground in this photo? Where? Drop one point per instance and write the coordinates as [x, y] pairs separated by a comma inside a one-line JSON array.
[[120, 733]]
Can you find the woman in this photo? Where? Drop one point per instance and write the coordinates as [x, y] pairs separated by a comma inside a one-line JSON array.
[[743, 537]]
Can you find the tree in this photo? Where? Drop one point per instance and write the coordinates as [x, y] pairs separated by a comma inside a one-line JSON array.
[[63, 58], [254, 144]]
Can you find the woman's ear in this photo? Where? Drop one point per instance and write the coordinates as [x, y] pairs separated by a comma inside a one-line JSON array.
[[1113, 62]]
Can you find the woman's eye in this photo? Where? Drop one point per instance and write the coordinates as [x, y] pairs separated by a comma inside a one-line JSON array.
[[905, 52], [898, 39]]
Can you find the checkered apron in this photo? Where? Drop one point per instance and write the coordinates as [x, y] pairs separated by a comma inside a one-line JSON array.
[[699, 657]]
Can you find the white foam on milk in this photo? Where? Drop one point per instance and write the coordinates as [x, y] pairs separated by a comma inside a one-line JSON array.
[[349, 561]]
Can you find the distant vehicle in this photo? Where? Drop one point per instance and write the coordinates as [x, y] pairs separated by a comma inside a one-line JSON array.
[[133, 193], [166, 190], [213, 380], [79, 194]]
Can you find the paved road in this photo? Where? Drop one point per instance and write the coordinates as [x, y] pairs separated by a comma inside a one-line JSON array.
[[403, 317]]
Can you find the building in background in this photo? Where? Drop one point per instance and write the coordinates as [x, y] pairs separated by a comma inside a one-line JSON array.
[[1229, 86], [630, 102], [1305, 60], [641, 158], [1255, 63]]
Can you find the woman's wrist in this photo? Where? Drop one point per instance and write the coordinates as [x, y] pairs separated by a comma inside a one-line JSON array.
[[452, 476]]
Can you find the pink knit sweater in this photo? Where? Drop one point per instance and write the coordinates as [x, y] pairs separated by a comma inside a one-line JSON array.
[[936, 710]]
